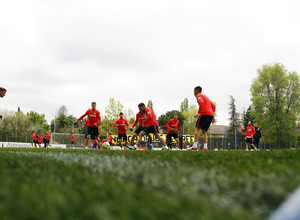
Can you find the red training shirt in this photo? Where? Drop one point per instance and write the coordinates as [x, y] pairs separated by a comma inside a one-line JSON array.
[[150, 118], [206, 107], [93, 116], [250, 131], [172, 123], [122, 125]]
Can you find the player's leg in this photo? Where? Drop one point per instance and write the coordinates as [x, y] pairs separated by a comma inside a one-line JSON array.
[[177, 143], [169, 140], [141, 134], [205, 139], [132, 139]]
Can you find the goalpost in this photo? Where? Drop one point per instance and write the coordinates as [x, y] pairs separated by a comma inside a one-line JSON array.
[[65, 138]]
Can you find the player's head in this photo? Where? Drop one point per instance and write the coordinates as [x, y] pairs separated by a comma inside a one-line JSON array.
[[71, 132], [109, 133], [197, 90], [93, 105], [121, 115], [142, 107], [175, 115], [255, 124], [249, 123], [2, 92]]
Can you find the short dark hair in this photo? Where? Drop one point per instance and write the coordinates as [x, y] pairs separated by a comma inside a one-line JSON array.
[[109, 133], [93, 102], [141, 104], [2, 89], [198, 88], [121, 113]]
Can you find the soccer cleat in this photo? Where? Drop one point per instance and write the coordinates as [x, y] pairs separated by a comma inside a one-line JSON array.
[[165, 148], [193, 148], [205, 149]]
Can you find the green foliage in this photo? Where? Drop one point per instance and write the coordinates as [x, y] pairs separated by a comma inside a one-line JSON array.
[[113, 109], [150, 105], [18, 127], [184, 105], [276, 102], [38, 119], [64, 124], [189, 122], [106, 126], [163, 120], [91, 184]]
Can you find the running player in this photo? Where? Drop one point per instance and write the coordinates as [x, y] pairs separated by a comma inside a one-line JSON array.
[[140, 117], [250, 131], [173, 128], [123, 126], [48, 138], [92, 125], [72, 140], [110, 140], [150, 126], [205, 117], [33, 139]]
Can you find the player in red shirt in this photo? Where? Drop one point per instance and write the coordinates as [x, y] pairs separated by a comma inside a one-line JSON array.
[[33, 139], [139, 119], [72, 140], [110, 140], [205, 117], [250, 131], [151, 126], [123, 126], [92, 125], [47, 139], [173, 128]]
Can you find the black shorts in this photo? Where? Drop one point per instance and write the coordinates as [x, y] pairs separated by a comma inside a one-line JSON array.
[[94, 132], [204, 121], [169, 136], [111, 144], [36, 142], [47, 142], [151, 129], [249, 140], [72, 142], [122, 136], [139, 129]]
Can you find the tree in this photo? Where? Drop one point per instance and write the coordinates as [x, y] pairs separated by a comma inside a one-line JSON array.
[[189, 122], [38, 120], [113, 109], [150, 105], [184, 105], [163, 119], [62, 109], [234, 116], [275, 94]]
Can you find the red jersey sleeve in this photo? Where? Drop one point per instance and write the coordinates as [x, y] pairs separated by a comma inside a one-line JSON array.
[[115, 124], [168, 125], [85, 114]]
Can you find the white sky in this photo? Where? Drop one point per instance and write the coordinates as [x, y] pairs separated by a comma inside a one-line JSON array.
[[63, 52]]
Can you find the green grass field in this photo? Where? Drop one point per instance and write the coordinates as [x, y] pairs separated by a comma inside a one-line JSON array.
[[103, 184]]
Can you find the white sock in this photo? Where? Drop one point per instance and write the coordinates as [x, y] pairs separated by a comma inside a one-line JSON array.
[[195, 144], [205, 146]]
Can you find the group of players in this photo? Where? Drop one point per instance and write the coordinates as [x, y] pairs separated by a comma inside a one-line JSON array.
[[37, 140], [148, 125]]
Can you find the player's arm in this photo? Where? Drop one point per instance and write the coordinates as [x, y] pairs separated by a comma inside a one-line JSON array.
[[115, 124], [85, 114], [168, 125], [127, 125], [98, 121]]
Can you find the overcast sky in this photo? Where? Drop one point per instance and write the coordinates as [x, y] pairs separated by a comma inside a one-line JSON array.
[[63, 52]]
